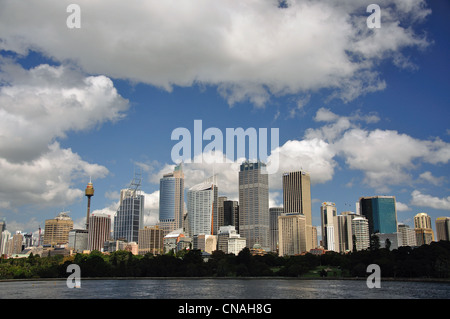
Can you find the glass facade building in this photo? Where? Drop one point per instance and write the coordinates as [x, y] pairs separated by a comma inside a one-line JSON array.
[[171, 200], [380, 212], [129, 216]]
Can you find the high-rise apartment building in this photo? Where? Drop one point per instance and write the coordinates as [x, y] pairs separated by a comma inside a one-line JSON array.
[[380, 212], [291, 234], [422, 227], [254, 204], [327, 214], [57, 229], [99, 231], [171, 200], [297, 199], [274, 213], [442, 228], [129, 216], [360, 233], [202, 208]]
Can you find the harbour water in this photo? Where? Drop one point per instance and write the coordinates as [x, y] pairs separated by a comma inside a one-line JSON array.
[[206, 288]]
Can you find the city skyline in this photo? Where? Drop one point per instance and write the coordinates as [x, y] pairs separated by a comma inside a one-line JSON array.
[[367, 118]]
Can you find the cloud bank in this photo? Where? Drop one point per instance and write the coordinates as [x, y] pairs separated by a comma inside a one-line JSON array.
[[249, 50]]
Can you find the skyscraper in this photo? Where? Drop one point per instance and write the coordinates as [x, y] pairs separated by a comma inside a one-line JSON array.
[[201, 204], [360, 233], [422, 227], [129, 216], [442, 228], [274, 213], [254, 204], [99, 231], [231, 214], [171, 200], [297, 199], [406, 235], [343, 232], [57, 229], [380, 212], [327, 214], [291, 234]]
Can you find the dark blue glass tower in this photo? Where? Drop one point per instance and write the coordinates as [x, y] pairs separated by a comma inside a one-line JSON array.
[[380, 212]]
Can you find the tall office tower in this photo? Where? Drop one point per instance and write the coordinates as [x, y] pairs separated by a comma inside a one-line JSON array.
[[360, 233], [422, 227], [99, 231], [291, 234], [254, 204], [327, 214], [343, 232], [57, 229], [380, 212], [406, 236], [171, 200], [442, 228], [221, 211], [202, 205], [297, 199], [231, 214], [89, 192], [129, 216], [151, 240], [274, 213]]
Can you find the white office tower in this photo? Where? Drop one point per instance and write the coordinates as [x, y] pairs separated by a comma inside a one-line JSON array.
[[202, 207], [327, 214], [406, 235], [360, 231]]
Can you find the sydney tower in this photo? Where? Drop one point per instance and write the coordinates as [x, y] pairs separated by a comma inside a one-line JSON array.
[[89, 192]]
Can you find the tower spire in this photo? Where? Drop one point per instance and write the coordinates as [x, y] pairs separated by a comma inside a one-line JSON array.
[[89, 192]]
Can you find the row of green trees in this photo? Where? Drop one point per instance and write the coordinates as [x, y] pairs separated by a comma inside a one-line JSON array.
[[432, 261]]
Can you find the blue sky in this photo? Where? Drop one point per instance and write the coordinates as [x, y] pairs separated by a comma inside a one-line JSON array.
[[365, 111]]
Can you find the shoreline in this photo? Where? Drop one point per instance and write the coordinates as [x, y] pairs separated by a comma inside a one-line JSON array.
[[434, 280]]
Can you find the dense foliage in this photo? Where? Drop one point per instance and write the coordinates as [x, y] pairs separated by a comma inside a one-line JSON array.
[[432, 261]]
